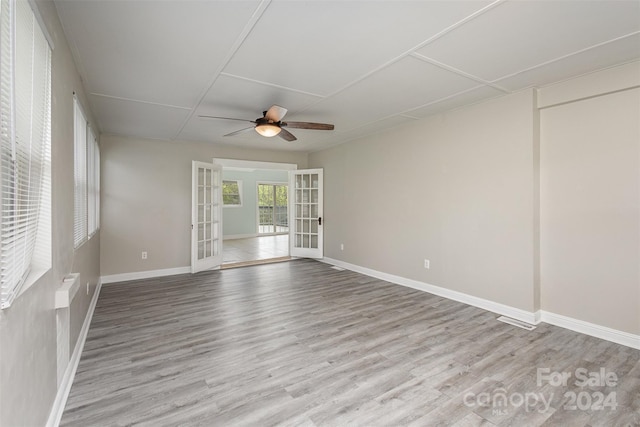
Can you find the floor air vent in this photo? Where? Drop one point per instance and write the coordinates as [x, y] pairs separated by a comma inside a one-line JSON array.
[[517, 323], [335, 267]]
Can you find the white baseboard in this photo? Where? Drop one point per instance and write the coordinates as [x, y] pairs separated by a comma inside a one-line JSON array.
[[67, 380], [124, 277], [602, 332], [239, 236], [505, 310]]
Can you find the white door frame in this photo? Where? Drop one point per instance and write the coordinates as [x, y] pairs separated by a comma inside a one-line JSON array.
[[306, 237]]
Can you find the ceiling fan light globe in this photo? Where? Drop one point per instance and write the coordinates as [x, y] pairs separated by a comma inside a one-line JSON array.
[[268, 130]]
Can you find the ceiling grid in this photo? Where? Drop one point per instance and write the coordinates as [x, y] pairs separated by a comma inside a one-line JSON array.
[[152, 68]]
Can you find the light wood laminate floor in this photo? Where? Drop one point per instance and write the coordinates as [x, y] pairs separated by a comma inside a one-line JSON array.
[[255, 248], [302, 344]]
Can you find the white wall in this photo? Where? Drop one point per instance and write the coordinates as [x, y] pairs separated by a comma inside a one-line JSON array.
[[531, 200], [146, 199], [590, 199], [456, 188], [28, 372]]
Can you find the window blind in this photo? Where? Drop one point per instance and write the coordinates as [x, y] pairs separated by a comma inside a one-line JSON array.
[[92, 181], [80, 219], [25, 136], [96, 174]]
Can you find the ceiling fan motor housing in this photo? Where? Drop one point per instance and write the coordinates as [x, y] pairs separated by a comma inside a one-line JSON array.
[[264, 121]]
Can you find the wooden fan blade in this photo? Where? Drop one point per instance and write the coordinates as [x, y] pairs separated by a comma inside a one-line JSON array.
[[226, 118], [275, 113], [308, 125], [240, 131], [286, 135]]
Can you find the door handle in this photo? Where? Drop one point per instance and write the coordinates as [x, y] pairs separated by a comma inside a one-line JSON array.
[[320, 220]]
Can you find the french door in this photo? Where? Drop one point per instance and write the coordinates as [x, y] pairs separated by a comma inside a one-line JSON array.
[[273, 215], [305, 231], [206, 216]]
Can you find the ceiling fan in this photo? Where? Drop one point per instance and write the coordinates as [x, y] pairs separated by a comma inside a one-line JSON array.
[[271, 124]]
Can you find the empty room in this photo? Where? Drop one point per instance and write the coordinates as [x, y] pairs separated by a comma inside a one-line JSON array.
[[319, 213]]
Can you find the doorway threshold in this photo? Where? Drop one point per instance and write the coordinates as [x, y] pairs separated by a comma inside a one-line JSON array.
[[254, 262]]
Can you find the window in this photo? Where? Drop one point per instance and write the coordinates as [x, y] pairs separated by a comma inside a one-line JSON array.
[[86, 174], [80, 218], [93, 178], [232, 193], [25, 149]]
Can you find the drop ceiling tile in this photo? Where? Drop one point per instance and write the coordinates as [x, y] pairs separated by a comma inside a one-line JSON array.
[[372, 128], [472, 96], [155, 51], [213, 130], [137, 119], [321, 46], [248, 140], [618, 52], [407, 84], [167, 52], [317, 145], [331, 139], [518, 35], [313, 141], [234, 97]]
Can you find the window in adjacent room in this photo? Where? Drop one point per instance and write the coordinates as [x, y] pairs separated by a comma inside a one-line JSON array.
[[232, 193], [25, 150]]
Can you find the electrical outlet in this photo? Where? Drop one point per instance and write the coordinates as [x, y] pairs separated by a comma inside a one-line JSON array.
[[144, 254], [342, 246], [426, 263]]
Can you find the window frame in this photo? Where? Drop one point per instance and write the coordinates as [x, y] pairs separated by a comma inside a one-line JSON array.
[[93, 183], [80, 184], [239, 194], [86, 176]]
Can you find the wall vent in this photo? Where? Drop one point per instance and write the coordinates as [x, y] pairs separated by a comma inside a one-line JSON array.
[[517, 323]]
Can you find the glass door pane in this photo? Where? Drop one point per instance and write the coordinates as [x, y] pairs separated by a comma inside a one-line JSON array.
[[281, 212], [273, 215], [265, 209], [307, 211]]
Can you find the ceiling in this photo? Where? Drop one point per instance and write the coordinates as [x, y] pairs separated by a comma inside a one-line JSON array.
[[152, 67]]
